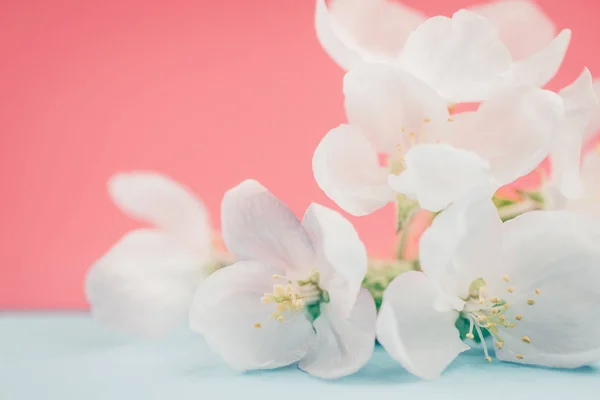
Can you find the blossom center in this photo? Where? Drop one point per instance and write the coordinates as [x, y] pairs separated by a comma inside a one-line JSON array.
[[294, 296], [488, 313]]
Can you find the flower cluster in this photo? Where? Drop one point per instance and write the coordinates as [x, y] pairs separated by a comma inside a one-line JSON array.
[[518, 275]]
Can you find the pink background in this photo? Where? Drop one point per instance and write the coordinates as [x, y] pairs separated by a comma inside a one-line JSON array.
[[209, 92]]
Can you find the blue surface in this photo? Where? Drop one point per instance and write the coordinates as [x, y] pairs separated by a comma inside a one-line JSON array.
[[69, 356]]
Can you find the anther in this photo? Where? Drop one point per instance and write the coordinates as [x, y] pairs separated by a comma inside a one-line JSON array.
[[495, 300], [519, 317], [501, 317], [470, 336], [531, 302], [499, 345], [511, 289], [506, 278], [520, 356], [257, 325], [526, 339], [488, 359], [281, 318], [275, 276], [495, 311], [426, 120], [537, 291]]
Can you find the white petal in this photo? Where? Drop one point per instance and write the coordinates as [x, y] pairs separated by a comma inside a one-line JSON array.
[[344, 345], [580, 106], [555, 253], [438, 174], [351, 31], [539, 68], [514, 130], [522, 25], [341, 255], [589, 204], [226, 308], [330, 38], [421, 339], [347, 169], [258, 226], [461, 242], [385, 101], [144, 283], [159, 200], [462, 58]]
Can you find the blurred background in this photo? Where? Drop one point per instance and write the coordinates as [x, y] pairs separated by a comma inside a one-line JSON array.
[[207, 92]]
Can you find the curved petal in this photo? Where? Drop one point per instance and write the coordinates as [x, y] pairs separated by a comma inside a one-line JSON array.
[[589, 204], [347, 169], [421, 339], [344, 345], [341, 255], [461, 243], [159, 200], [330, 39], [552, 260], [369, 30], [438, 174], [144, 283], [462, 58], [514, 130], [258, 226], [580, 106], [522, 25], [539, 68], [227, 309], [391, 106]]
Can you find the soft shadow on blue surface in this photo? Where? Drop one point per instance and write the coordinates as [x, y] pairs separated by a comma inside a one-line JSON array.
[[69, 356]]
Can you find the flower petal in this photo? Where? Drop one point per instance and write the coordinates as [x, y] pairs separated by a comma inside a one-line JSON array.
[[344, 345], [438, 174], [539, 68], [385, 101], [331, 39], [369, 30], [347, 169], [159, 200], [462, 58], [144, 283], [552, 259], [228, 311], [421, 339], [581, 106], [514, 130], [341, 255], [462, 240], [522, 26], [258, 226]]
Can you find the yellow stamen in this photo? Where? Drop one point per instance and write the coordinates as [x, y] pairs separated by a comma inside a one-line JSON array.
[[526, 339], [257, 325], [531, 302], [511, 289], [538, 291], [470, 336], [426, 120], [519, 317], [275, 276], [506, 278], [488, 359], [519, 356], [499, 344], [281, 318]]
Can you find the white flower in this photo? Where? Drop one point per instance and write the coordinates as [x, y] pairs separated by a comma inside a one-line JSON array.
[[530, 282], [258, 313], [463, 58], [391, 112], [581, 107], [145, 282]]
